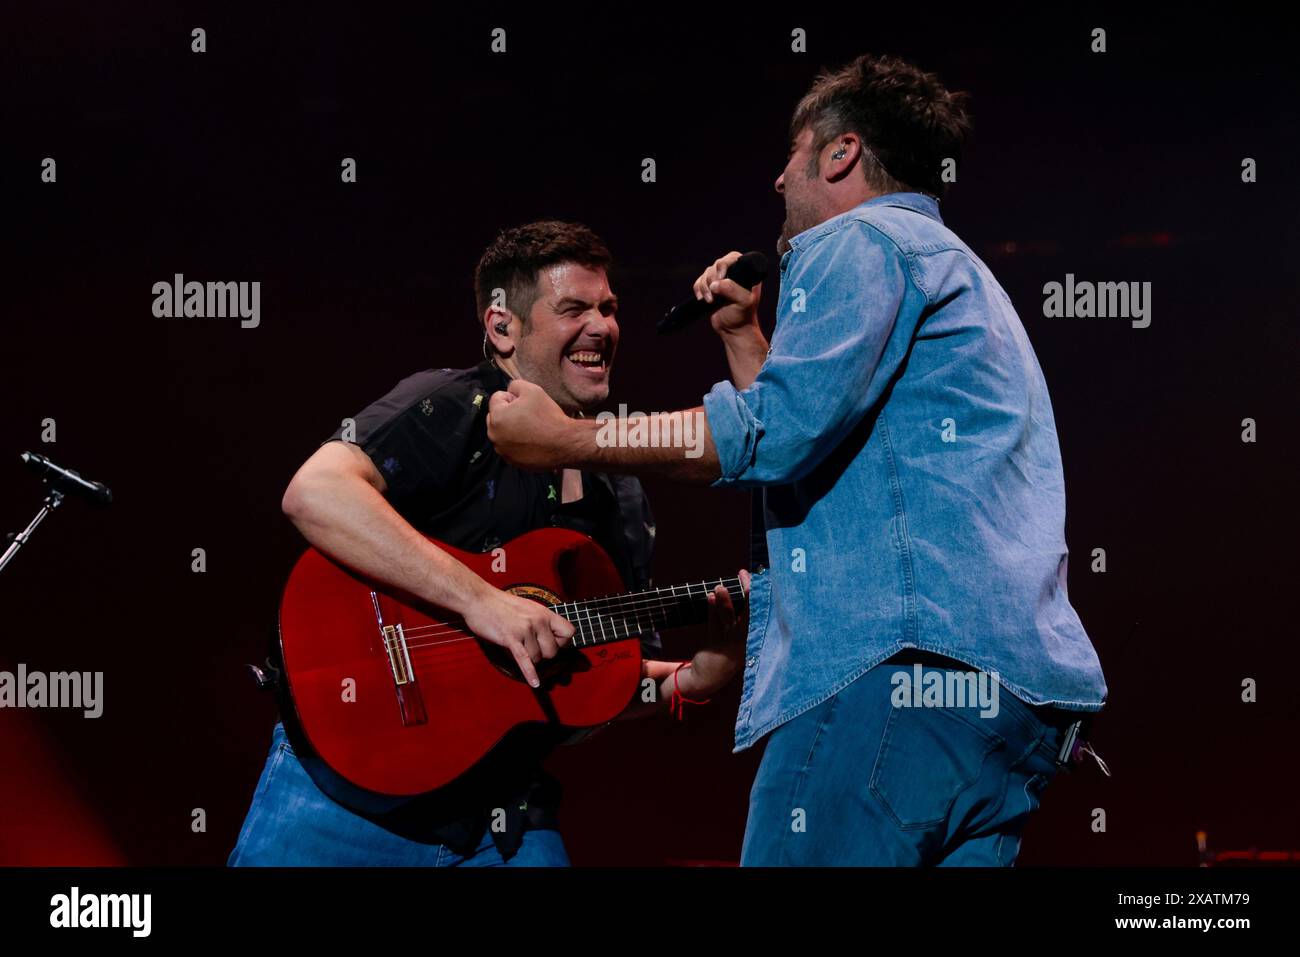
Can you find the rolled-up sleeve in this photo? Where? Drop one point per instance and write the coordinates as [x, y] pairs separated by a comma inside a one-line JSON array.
[[848, 307]]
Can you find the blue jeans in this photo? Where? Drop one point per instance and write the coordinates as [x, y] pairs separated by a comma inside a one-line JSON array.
[[292, 823], [858, 780]]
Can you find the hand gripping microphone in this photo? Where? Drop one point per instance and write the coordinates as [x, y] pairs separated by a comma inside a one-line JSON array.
[[747, 271]]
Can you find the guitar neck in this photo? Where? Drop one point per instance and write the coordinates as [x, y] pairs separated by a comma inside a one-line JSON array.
[[618, 617]]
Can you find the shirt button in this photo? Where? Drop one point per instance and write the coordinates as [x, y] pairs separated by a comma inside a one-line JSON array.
[[751, 661]]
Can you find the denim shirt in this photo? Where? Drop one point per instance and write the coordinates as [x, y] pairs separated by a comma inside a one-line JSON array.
[[901, 431]]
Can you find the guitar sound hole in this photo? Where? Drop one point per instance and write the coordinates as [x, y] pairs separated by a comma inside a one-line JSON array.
[[550, 671]]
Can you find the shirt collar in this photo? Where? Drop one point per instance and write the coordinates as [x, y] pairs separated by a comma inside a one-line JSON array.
[[494, 374], [917, 202]]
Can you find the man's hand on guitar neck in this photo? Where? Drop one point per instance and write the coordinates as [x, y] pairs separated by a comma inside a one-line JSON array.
[[711, 668], [716, 663]]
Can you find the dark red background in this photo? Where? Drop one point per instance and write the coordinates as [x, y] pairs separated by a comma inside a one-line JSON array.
[[225, 166]]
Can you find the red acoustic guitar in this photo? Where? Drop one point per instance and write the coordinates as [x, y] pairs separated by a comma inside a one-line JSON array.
[[399, 699]]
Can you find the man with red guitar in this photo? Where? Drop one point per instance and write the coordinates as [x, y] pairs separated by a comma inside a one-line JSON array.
[[418, 463]]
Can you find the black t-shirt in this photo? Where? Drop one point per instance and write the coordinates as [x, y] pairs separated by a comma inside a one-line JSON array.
[[428, 437]]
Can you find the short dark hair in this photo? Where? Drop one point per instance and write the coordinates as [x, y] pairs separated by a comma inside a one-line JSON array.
[[906, 117], [515, 257]]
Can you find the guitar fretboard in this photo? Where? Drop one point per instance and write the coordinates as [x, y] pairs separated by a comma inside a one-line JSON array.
[[616, 617]]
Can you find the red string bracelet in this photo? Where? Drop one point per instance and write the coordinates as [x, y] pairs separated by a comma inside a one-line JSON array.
[[676, 705]]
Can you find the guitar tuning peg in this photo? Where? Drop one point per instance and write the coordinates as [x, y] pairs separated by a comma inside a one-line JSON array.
[[266, 678]]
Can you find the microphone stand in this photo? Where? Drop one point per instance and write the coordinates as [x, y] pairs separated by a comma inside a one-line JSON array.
[[52, 501]]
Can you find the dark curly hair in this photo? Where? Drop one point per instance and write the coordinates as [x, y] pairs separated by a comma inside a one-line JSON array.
[[515, 257], [906, 117]]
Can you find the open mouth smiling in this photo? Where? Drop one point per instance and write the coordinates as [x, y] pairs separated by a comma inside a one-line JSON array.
[[590, 361]]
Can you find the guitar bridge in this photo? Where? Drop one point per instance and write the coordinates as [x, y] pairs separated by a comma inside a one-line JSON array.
[[398, 657], [409, 700]]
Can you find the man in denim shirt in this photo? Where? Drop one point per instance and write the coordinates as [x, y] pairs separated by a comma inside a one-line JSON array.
[[900, 430]]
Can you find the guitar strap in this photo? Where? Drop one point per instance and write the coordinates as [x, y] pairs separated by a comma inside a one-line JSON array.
[[637, 525]]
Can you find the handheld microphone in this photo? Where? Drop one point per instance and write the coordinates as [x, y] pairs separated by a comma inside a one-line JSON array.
[[66, 480], [747, 271]]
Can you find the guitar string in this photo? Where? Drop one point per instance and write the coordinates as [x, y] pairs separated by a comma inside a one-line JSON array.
[[461, 656], [626, 610], [609, 603], [590, 631], [602, 606], [580, 625], [585, 630]]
